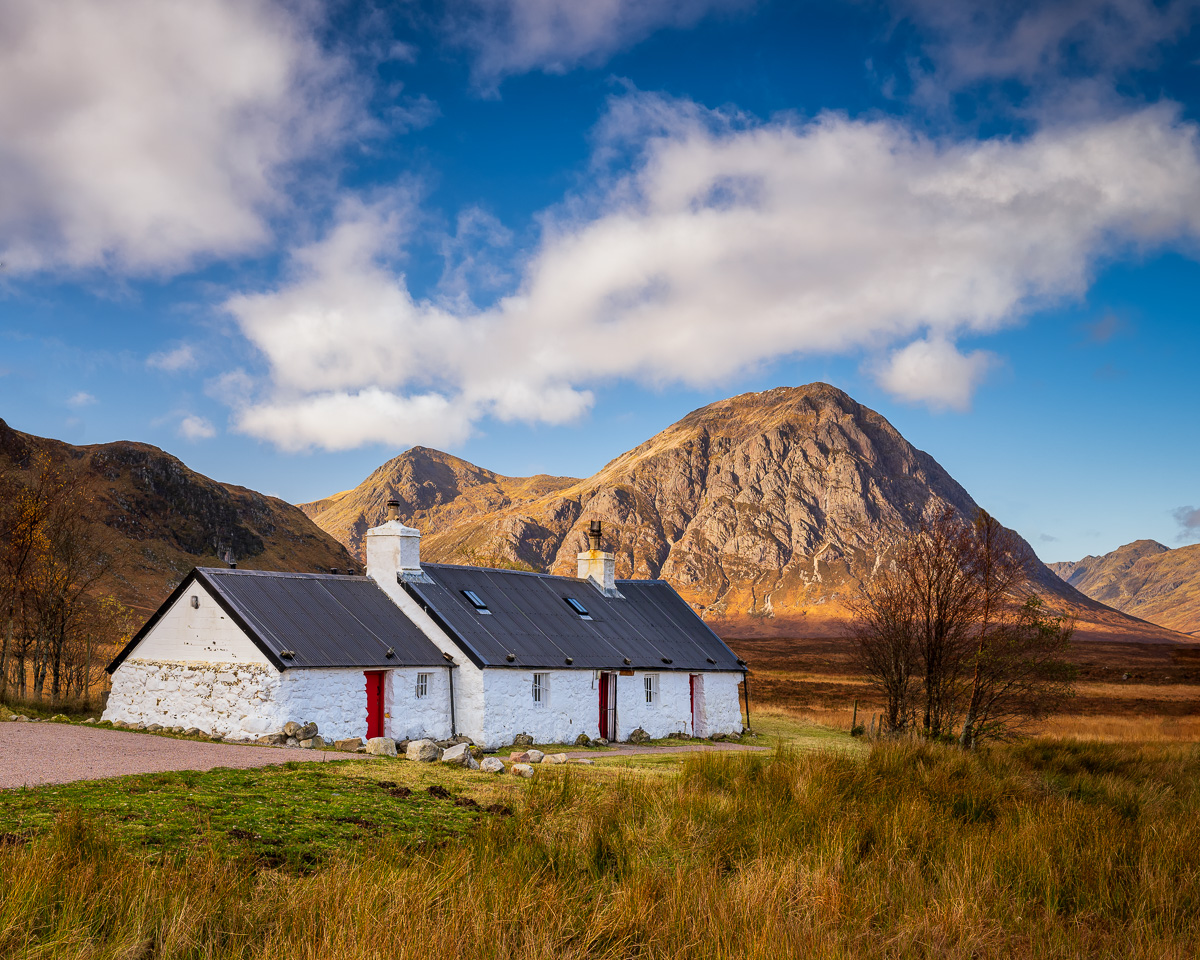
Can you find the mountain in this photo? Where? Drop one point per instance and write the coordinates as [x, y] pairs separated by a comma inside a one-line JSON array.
[[1145, 579], [763, 511], [166, 519]]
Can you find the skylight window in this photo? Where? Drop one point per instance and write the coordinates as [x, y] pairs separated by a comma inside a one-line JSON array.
[[578, 607], [476, 601]]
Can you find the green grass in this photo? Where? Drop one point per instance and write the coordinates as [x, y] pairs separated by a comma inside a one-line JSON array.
[[1045, 849], [294, 816]]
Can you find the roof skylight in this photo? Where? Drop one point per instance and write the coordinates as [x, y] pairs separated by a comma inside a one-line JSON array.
[[476, 601], [578, 607]]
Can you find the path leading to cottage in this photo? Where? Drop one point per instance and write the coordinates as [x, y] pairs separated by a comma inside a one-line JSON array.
[[33, 754], [621, 750]]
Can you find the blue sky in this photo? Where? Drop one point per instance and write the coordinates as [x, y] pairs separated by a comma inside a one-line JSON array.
[[286, 241]]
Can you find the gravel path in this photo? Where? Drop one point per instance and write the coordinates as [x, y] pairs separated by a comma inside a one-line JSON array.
[[32, 754], [624, 750]]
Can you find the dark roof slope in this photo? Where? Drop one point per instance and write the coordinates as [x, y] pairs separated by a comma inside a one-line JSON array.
[[529, 618], [323, 619]]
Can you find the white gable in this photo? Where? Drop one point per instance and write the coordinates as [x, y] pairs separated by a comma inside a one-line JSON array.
[[201, 633]]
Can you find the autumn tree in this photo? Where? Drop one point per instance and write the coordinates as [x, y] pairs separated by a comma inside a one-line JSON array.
[[951, 631]]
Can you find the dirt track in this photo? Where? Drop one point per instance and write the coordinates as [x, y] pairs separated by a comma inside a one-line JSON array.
[[32, 754]]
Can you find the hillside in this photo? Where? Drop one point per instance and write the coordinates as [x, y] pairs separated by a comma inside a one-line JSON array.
[[166, 519], [762, 510], [1144, 579]]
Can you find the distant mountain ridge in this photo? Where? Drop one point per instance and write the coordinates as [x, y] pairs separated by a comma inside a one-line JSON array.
[[167, 518], [1145, 579], [762, 510]]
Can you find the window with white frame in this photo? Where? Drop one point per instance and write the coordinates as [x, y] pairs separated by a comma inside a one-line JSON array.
[[650, 681], [422, 685], [541, 688]]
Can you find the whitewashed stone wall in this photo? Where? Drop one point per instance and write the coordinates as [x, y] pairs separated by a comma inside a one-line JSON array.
[[573, 706], [203, 633], [249, 700]]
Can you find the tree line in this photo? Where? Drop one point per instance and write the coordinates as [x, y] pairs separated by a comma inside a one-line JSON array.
[[59, 620], [954, 639]]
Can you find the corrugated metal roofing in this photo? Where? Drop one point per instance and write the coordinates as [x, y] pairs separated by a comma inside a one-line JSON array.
[[652, 628], [323, 619]]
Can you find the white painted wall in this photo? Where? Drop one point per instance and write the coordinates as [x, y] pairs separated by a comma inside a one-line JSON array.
[[573, 706], [202, 634], [249, 700]]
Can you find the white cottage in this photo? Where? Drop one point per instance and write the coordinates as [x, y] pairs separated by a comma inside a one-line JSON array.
[[431, 650]]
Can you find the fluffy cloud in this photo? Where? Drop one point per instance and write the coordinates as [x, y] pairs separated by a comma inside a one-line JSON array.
[[182, 357], [1188, 519], [727, 244], [192, 427], [141, 135], [80, 399], [1043, 42], [515, 36]]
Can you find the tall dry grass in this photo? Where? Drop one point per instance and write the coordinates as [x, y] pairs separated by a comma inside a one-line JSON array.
[[1041, 850]]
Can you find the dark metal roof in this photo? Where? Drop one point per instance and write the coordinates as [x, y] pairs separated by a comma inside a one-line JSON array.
[[323, 620], [652, 628]]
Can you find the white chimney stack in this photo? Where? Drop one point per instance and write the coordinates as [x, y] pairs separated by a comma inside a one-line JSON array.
[[393, 548], [598, 566]]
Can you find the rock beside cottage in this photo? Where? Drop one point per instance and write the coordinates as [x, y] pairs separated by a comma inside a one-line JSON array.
[[535, 756], [307, 732], [639, 736], [317, 742], [554, 758], [522, 770], [459, 755], [522, 740], [492, 765], [351, 744], [291, 728], [423, 751], [381, 747], [583, 740], [272, 739]]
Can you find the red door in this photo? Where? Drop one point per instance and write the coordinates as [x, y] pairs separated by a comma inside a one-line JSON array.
[[608, 706], [374, 703]]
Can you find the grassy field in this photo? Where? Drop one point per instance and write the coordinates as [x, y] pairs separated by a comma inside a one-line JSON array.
[[1046, 849]]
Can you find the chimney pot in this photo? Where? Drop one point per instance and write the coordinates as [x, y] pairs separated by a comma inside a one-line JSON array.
[[393, 509]]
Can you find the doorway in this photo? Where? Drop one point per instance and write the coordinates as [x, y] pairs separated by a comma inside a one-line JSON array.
[[608, 706], [699, 719], [374, 703]]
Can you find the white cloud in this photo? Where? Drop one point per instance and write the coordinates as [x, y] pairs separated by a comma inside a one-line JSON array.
[[730, 244], [936, 373], [142, 135], [193, 427], [1044, 43], [182, 357], [80, 399], [516, 36]]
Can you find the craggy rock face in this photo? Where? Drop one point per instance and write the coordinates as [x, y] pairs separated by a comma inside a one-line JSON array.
[[763, 510]]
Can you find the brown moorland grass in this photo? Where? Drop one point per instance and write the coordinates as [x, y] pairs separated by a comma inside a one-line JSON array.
[[1045, 849]]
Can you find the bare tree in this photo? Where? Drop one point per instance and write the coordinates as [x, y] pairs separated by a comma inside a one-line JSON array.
[[954, 603]]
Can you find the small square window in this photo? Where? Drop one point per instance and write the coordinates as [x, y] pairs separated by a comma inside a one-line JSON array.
[[650, 681], [422, 685], [541, 688], [476, 601]]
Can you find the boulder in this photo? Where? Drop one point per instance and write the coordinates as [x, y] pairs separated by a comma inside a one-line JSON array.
[[583, 760], [424, 751], [402, 746], [583, 740], [522, 740], [639, 736], [554, 758], [192, 732], [600, 742], [306, 732], [446, 744], [519, 756], [471, 764], [522, 770], [291, 742], [492, 765], [381, 747], [459, 755], [273, 739], [462, 738], [535, 756], [21, 718], [153, 728], [317, 742], [291, 728], [350, 744]]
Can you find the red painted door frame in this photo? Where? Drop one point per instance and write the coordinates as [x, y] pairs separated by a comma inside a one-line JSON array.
[[374, 703], [608, 706]]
